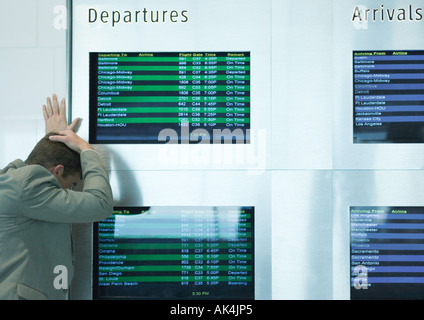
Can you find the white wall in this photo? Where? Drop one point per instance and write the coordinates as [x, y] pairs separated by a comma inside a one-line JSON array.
[[32, 67]]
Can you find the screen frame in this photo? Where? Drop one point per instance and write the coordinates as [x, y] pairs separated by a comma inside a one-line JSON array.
[[95, 263], [384, 291], [235, 137], [401, 127]]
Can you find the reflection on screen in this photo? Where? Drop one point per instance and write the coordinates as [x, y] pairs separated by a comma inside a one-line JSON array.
[[388, 96], [175, 253], [162, 97], [387, 252]]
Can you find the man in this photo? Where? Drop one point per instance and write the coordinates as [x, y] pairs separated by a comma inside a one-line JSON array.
[[37, 209]]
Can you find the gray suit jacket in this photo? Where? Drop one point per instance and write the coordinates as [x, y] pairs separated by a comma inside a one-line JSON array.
[[35, 225]]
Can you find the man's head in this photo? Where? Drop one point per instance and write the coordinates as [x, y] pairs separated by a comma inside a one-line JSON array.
[[61, 161]]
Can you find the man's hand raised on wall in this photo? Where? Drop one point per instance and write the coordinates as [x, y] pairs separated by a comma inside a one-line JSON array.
[[55, 116]]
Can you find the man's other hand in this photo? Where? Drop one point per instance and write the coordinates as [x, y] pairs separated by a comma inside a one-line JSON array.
[[72, 140]]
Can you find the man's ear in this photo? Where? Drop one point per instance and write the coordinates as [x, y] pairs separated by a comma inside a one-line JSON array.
[[57, 170]]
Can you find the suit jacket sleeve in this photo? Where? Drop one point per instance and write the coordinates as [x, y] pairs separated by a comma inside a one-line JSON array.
[[42, 198]]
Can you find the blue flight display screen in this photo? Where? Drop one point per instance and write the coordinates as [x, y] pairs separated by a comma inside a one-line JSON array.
[[388, 96], [387, 252]]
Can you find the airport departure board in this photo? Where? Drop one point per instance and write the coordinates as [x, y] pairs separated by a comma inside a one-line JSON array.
[[388, 96], [169, 97], [175, 253], [387, 252]]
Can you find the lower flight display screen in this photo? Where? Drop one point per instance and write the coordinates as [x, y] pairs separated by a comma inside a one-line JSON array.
[[176, 97], [175, 253], [387, 252], [388, 96]]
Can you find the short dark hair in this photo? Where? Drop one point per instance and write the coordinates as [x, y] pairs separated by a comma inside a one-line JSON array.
[[49, 154]]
